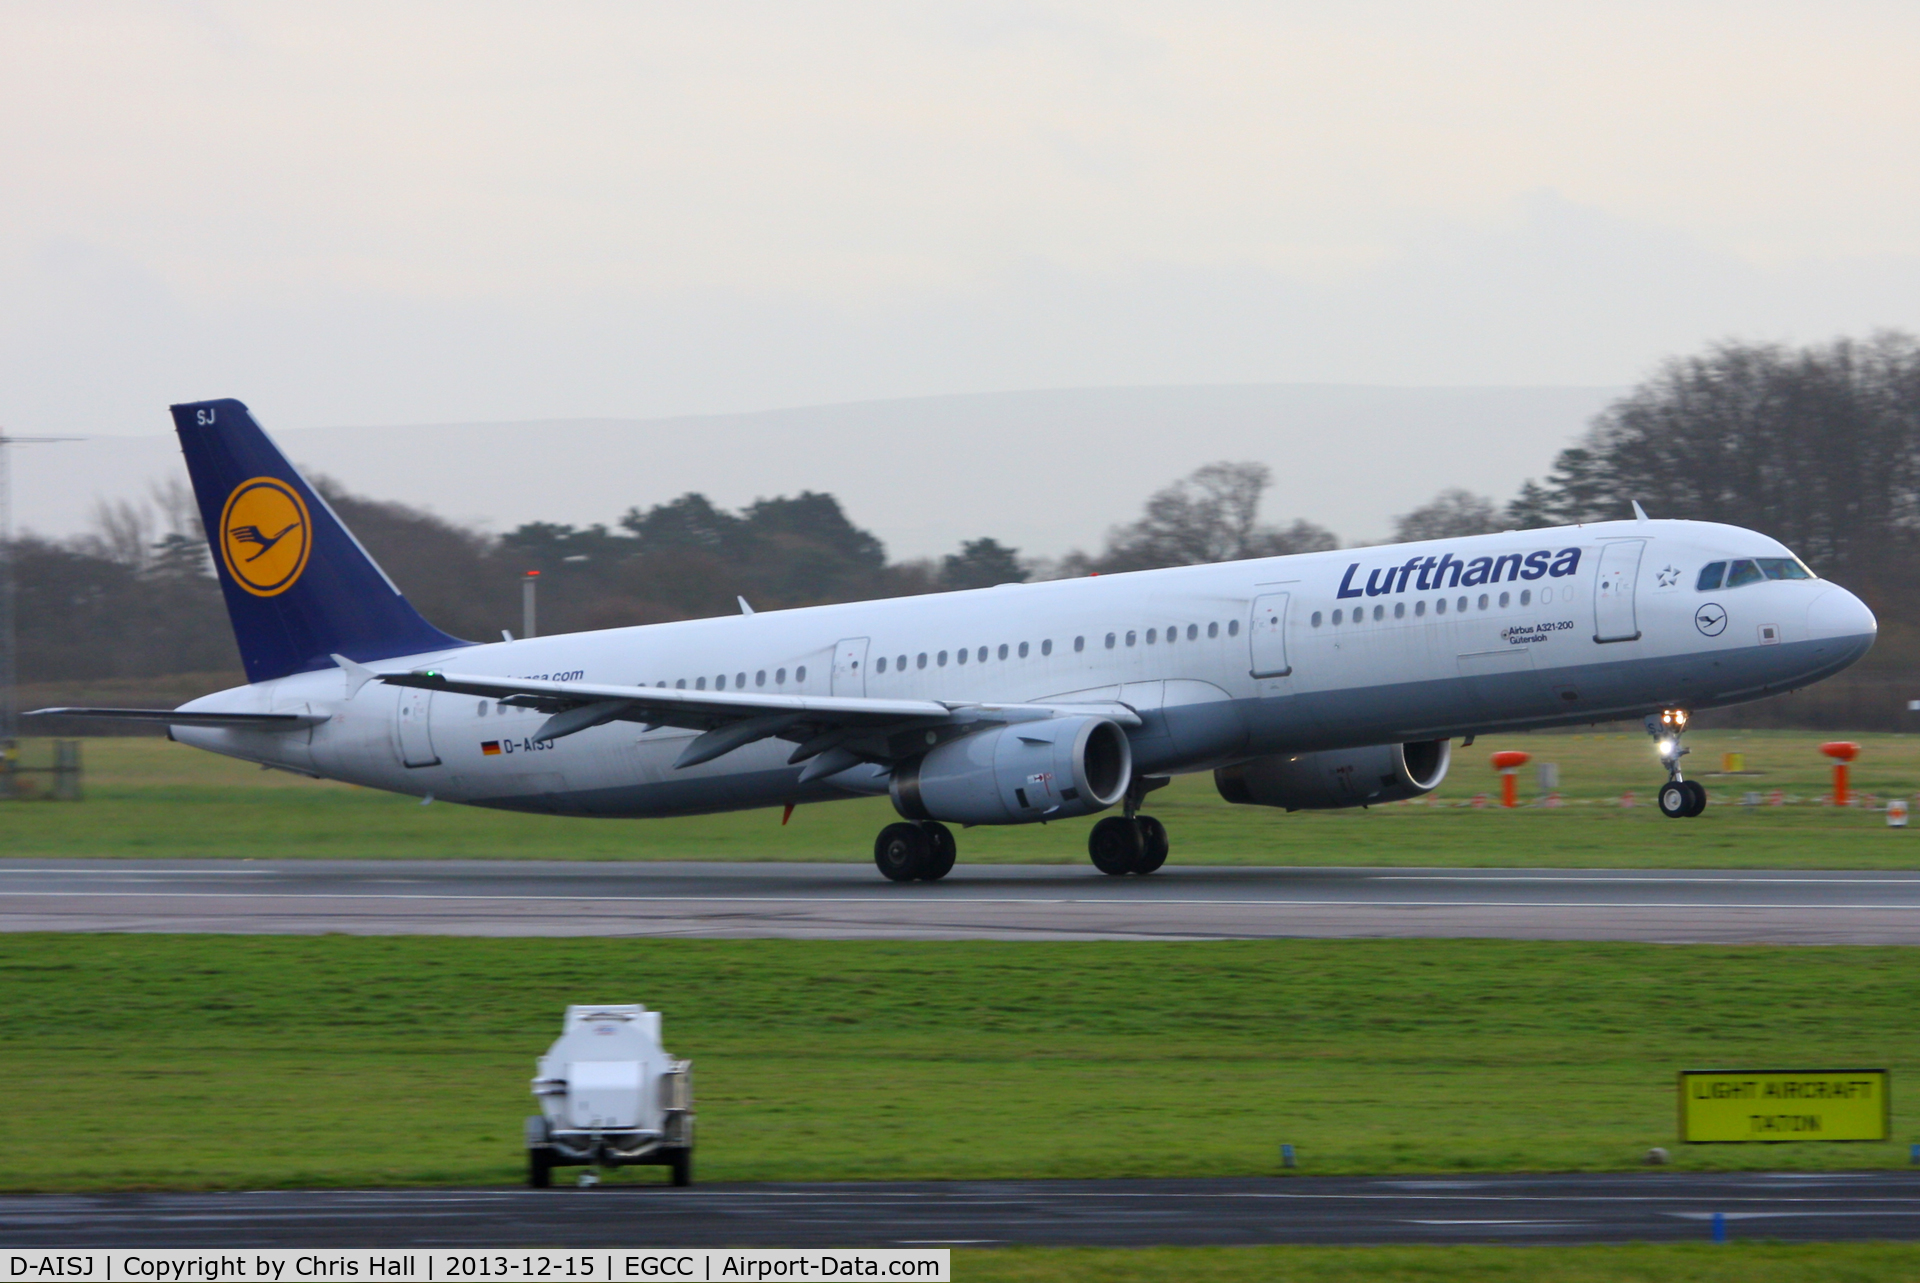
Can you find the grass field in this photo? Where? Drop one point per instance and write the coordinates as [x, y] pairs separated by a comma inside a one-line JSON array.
[[147, 797], [1630, 1263], [204, 1061]]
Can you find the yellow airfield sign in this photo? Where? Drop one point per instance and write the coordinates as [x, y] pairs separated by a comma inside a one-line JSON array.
[[1773, 1105]]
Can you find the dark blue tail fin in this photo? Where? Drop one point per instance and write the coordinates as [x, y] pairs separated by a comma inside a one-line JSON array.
[[299, 587]]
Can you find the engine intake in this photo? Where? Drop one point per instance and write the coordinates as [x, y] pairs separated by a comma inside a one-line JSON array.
[[1049, 770], [1337, 777]]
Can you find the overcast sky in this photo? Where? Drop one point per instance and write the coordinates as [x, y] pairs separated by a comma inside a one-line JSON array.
[[411, 212]]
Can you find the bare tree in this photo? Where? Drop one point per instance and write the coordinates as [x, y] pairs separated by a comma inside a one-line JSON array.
[[1209, 516], [1452, 514], [122, 533]]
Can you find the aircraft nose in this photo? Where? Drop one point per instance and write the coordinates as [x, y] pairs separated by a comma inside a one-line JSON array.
[[1837, 613]]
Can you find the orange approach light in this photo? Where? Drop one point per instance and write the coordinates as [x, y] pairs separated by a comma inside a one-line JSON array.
[[1507, 761], [1842, 752]]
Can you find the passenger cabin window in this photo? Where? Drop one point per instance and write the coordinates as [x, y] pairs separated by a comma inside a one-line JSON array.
[[881, 665], [1003, 650], [1526, 596], [1440, 606], [800, 673], [681, 684], [740, 681], [1742, 573], [1379, 613], [1399, 610], [922, 661], [1153, 635], [900, 663], [1504, 599], [1710, 575], [1233, 628], [1315, 621], [1419, 608], [941, 659], [1110, 640], [701, 684], [1193, 632], [1461, 604], [1079, 644], [779, 677], [961, 654], [1046, 647], [1213, 630], [1132, 638], [1483, 601], [1023, 650], [720, 682], [982, 656], [1338, 615], [760, 678]]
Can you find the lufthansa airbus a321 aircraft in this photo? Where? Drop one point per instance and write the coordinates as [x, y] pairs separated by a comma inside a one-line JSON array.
[[1329, 679]]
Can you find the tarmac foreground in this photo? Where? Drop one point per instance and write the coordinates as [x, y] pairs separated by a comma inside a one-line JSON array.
[[1528, 1209], [1006, 902]]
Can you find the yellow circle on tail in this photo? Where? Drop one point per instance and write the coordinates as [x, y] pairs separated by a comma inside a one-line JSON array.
[[265, 536]]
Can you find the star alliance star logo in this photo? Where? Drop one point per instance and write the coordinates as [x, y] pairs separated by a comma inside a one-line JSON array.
[[1668, 577]]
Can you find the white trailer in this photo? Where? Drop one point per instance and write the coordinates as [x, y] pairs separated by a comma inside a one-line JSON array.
[[611, 1096]]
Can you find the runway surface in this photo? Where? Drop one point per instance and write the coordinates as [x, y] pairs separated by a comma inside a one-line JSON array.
[[1499, 1209], [1030, 902]]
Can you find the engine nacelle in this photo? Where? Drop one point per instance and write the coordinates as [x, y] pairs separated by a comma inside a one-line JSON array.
[[1046, 770], [1338, 777]]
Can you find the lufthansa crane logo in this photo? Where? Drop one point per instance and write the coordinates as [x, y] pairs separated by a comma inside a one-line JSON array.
[[265, 536]]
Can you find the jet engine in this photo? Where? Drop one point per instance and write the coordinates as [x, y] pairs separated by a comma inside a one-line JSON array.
[[1338, 777], [1045, 770]]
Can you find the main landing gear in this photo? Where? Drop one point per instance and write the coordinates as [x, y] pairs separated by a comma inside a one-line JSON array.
[[1130, 843], [910, 852], [1680, 799]]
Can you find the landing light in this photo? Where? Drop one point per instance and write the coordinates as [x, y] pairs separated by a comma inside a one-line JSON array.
[[1666, 747]]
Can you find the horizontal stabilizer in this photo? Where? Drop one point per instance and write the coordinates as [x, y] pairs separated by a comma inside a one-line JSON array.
[[173, 717]]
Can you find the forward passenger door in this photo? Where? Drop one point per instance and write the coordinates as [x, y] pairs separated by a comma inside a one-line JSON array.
[[1614, 619]]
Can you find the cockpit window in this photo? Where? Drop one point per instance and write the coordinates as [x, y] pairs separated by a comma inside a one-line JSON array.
[[1784, 568], [1710, 575], [1743, 573]]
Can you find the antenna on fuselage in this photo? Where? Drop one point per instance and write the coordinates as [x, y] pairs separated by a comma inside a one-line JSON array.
[[1639, 513]]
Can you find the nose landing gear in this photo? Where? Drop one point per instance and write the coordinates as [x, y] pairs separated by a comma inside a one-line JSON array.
[[1680, 798]]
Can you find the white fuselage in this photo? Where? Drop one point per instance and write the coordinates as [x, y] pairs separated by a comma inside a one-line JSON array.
[[1222, 662]]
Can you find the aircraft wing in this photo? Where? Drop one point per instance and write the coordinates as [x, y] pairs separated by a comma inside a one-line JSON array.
[[839, 730], [173, 717]]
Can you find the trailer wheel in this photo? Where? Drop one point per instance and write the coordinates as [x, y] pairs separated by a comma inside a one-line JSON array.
[[682, 1165], [539, 1168]]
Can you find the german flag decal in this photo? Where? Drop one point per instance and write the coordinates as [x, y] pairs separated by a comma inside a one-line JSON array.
[[490, 748]]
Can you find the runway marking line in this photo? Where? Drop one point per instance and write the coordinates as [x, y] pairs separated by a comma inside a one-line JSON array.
[[879, 898], [1579, 879]]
